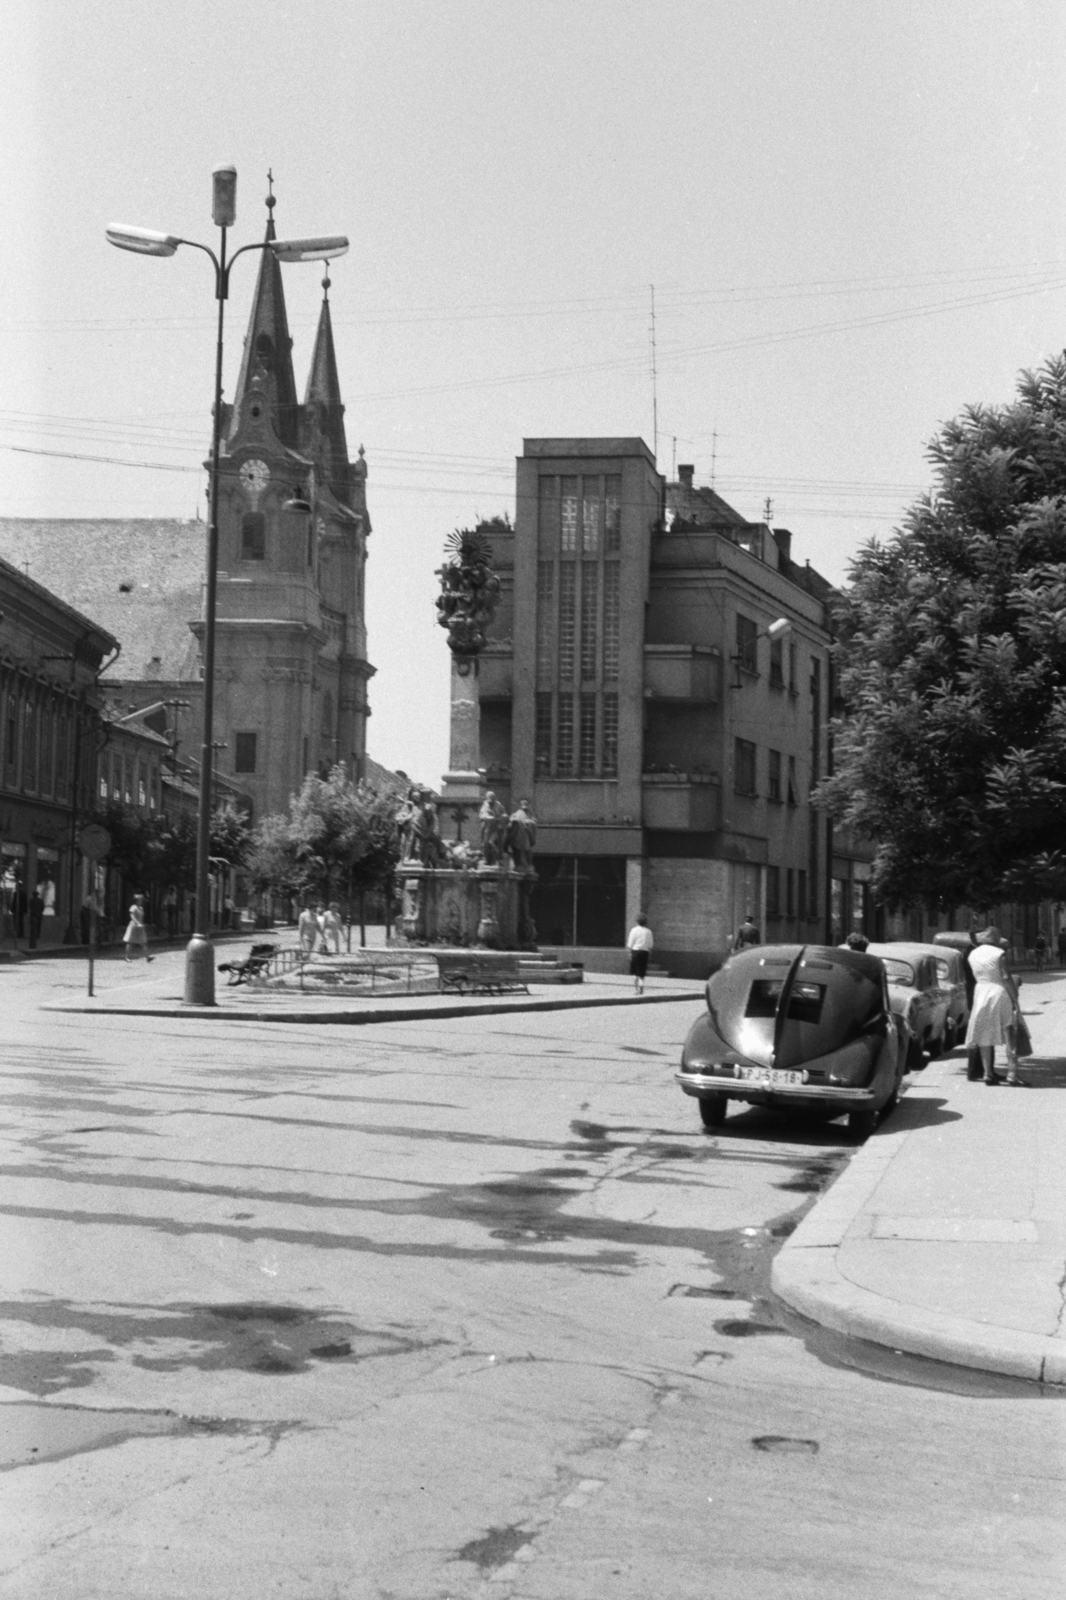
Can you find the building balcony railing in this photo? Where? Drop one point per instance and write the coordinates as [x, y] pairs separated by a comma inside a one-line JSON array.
[[682, 672], [685, 801]]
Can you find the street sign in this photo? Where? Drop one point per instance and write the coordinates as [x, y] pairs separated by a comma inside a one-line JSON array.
[[94, 841]]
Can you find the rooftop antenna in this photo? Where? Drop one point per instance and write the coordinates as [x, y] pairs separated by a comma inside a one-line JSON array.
[[768, 510], [714, 454], [673, 463], [654, 384]]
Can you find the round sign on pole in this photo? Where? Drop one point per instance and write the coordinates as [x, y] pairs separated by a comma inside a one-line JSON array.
[[94, 841]]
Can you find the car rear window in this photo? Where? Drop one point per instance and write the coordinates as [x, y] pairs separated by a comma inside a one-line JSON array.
[[898, 971], [804, 1005]]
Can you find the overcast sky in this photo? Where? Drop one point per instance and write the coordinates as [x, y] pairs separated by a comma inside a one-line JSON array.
[[852, 213]]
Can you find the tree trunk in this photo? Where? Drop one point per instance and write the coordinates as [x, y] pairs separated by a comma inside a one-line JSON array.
[[362, 919]]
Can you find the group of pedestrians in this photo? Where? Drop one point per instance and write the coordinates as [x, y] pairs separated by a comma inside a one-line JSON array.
[[319, 928]]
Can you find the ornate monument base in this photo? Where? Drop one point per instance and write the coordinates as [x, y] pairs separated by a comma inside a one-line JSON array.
[[487, 907]]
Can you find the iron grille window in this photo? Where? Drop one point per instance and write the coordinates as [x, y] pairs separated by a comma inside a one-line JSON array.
[[613, 513], [587, 746], [611, 614], [568, 543], [747, 652], [542, 735], [610, 735], [744, 767], [567, 600], [590, 605], [773, 784], [590, 516], [545, 619], [564, 748]]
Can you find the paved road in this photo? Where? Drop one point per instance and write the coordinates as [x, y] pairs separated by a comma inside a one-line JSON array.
[[450, 1310]]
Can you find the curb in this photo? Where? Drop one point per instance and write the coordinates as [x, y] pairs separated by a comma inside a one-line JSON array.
[[806, 1275], [355, 1018]]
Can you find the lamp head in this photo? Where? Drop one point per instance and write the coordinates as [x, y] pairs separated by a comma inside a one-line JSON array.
[[224, 196], [142, 241], [321, 249], [778, 629]]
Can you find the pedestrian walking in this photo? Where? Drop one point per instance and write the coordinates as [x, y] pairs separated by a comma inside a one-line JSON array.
[[640, 943], [135, 937], [747, 934], [36, 911], [332, 926], [307, 929], [994, 1013]]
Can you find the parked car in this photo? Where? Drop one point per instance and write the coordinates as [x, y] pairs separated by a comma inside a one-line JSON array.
[[915, 994], [952, 971], [963, 943], [796, 1025]]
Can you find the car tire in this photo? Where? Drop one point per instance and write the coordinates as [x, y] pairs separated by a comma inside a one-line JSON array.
[[915, 1056], [862, 1122], [713, 1108]]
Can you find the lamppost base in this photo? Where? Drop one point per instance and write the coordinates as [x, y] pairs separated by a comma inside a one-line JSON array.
[[199, 971]]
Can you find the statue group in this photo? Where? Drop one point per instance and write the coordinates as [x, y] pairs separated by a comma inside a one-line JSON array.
[[500, 835]]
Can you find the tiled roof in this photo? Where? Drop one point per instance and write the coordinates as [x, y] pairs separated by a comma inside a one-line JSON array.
[[141, 580]]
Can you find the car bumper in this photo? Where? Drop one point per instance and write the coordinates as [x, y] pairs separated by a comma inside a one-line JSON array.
[[761, 1093]]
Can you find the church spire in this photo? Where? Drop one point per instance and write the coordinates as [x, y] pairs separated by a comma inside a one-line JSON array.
[[322, 403], [267, 345]]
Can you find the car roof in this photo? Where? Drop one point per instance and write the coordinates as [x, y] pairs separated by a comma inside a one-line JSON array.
[[908, 950]]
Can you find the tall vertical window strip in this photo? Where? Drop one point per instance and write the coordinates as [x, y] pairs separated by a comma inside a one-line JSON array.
[[610, 619], [567, 606], [564, 746], [545, 606], [29, 745], [590, 516], [587, 746], [613, 514], [548, 497], [610, 735], [569, 516], [590, 606], [542, 735]]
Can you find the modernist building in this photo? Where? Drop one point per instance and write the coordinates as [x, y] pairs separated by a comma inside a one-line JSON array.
[[50, 737], [291, 654], [632, 691]]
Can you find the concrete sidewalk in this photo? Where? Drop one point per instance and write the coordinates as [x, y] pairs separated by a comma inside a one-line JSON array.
[[158, 993], [946, 1235]]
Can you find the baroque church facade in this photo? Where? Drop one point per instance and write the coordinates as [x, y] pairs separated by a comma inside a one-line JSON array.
[[291, 668]]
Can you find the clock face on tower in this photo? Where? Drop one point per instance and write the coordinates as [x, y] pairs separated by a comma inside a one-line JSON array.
[[254, 476]]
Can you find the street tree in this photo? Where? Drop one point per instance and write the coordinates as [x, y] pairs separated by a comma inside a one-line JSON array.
[[951, 753]]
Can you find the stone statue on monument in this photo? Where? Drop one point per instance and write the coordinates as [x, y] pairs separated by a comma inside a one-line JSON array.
[[492, 819], [522, 836]]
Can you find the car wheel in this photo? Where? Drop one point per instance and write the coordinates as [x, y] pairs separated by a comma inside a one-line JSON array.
[[862, 1122], [949, 1037], [915, 1056], [713, 1109]]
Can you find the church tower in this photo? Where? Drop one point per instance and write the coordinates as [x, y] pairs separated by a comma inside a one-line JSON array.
[[291, 667]]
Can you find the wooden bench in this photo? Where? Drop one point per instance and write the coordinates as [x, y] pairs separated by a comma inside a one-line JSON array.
[[480, 974], [257, 960]]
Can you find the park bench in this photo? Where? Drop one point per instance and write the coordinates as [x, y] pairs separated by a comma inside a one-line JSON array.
[[464, 973], [257, 960]]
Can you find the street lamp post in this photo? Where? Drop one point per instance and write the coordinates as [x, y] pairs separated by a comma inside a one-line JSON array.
[[199, 954]]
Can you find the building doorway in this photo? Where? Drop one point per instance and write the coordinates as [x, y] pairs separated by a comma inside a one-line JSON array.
[[580, 900]]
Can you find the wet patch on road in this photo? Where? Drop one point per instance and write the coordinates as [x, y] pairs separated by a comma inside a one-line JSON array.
[[31, 1434], [782, 1444], [742, 1328], [495, 1548]]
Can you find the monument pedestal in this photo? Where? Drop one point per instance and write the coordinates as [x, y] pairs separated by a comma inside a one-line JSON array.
[[486, 907]]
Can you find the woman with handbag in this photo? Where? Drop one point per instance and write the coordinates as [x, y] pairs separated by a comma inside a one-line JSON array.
[[994, 1016]]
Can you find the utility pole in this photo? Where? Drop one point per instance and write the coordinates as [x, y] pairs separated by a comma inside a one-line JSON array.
[[654, 384]]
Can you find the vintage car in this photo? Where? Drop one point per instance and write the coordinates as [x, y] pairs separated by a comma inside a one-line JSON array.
[[796, 1025], [952, 971], [915, 994]]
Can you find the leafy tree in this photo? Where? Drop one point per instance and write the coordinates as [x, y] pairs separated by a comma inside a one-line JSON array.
[[271, 860], [951, 754], [231, 836]]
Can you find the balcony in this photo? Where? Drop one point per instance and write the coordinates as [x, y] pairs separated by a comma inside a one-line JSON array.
[[681, 801], [682, 672]]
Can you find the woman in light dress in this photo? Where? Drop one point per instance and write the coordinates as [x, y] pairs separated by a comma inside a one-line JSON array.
[[994, 1009], [332, 927], [135, 937]]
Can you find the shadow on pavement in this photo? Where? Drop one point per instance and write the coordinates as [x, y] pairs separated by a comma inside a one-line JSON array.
[[1044, 1072], [913, 1113]]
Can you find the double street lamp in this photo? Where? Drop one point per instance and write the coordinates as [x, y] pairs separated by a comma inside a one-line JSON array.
[[199, 954]]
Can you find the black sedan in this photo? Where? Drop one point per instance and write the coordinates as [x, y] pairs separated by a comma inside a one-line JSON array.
[[796, 1025]]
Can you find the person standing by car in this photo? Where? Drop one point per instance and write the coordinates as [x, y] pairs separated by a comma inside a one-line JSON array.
[[640, 943], [995, 1006], [747, 934]]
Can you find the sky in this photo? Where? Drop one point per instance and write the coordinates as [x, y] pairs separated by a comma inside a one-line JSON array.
[[850, 218]]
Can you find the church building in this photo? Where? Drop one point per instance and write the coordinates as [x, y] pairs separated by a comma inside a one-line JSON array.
[[291, 668]]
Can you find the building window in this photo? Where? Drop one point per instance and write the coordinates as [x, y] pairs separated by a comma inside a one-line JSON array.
[[127, 781], [244, 752], [29, 745], [793, 793], [587, 737], [613, 513], [801, 895], [792, 688], [590, 516], [611, 619], [542, 748], [590, 605], [744, 767], [610, 735], [773, 893], [747, 653], [253, 536], [568, 508], [567, 621], [777, 663], [142, 785], [545, 619], [790, 892], [11, 733], [773, 778], [116, 777], [564, 749], [62, 741]]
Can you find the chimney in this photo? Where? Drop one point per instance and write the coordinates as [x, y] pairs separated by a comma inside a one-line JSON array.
[[783, 540], [685, 475]]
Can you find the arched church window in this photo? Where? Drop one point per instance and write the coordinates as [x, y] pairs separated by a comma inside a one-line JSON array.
[[253, 536]]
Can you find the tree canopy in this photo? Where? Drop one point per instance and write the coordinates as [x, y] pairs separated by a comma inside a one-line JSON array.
[[339, 837], [951, 753]]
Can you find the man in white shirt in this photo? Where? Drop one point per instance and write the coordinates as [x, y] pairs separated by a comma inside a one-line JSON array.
[[639, 944]]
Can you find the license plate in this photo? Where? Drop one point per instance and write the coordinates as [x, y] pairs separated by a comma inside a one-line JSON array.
[[768, 1075]]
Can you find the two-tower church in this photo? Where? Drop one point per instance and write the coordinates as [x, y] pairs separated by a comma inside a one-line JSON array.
[[291, 668]]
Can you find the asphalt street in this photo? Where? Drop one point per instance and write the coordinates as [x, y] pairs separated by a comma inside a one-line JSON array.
[[451, 1309]]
